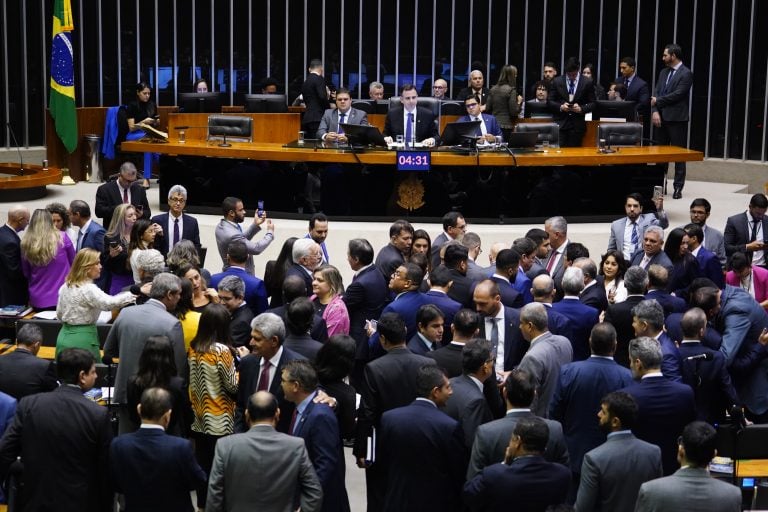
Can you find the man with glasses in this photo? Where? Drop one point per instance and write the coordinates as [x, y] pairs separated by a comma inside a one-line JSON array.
[[440, 90], [489, 130], [176, 225], [416, 124], [713, 239]]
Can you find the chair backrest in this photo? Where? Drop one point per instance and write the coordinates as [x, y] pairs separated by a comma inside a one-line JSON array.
[[538, 109], [432, 104], [620, 134], [394, 102], [366, 106], [238, 127], [452, 108], [547, 131]]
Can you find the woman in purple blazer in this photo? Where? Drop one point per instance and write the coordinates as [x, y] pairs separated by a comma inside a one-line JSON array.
[[753, 280], [328, 289]]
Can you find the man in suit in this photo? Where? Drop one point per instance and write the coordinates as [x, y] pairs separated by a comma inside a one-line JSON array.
[[709, 264], [134, 325], [63, 439], [456, 260], [454, 227], [570, 97], [439, 284], [468, 404], [704, 370], [581, 318], [637, 90], [664, 406], [255, 293], [262, 469], [463, 329], [747, 232], [541, 238], [527, 251], [501, 326], [554, 263], [691, 487], [424, 460], [306, 256], [125, 189], [474, 247], [229, 230], [318, 231], [298, 321], [476, 89], [613, 472], [261, 369], [489, 128], [14, 290], [91, 233], [176, 225], [669, 106], [620, 314], [507, 271], [388, 382], [547, 354], [293, 288], [713, 239], [658, 279], [416, 124], [150, 468], [315, 95], [525, 478], [343, 114], [627, 232], [22, 373], [648, 320], [316, 423], [652, 253], [543, 289], [580, 387], [397, 250], [232, 295], [593, 293], [430, 323]]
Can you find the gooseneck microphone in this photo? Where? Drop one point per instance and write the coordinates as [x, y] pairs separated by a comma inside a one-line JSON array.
[[18, 149]]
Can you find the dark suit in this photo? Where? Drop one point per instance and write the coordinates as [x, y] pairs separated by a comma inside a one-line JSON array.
[[424, 460], [447, 305], [620, 316], [738, 233], [240, 326], [668, 302], [660, 258], [297, 270], [365, 298], [316, 100], [93, 237], [665, 407], [320, 430], [449, 358], [461, 289], [250, 370], [22, 373], [594, 296], [572, 125], [580, 388], [426, 126], [108, 197], [468, 406], [13, 285], [417, 346], [672, 105], [190, 231], [406, 305], [154, 470], [710, 381], [510, 297], [318, 331], [582, 319], [670, 357], [437, 243], [711, 338], [530, 483], [514, 343], [557, 322], [491, 125], [639, 92], [304, 345], [388, 259], [709, 266], [63, 439]]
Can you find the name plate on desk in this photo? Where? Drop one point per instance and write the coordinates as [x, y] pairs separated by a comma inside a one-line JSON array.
[[413, 160]]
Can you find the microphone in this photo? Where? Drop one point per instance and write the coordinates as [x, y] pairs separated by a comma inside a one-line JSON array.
[[16, 142], [703, 357]]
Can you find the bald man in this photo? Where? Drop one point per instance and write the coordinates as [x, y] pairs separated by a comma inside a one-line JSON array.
[[440, 90], [13, 284]]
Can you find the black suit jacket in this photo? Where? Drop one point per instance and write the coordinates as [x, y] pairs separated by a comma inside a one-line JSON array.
[[620, 316], [710, 381], [240, 326], [318, 331], [297, 270], [388, 259], [639, 92], [584, 96], [13, 285], [595, 296], [190, 232], [515, 345], [22, 373], [449, 358], [108, 198], [461, 289], [365, 297], [672, 98], [315, 98], [426, 126], [468, 406], [738, 233]]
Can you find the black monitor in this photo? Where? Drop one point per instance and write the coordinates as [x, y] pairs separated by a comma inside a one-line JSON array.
[[535, 109], [200, 102], [460, 133], [366, 106], [382, 107], [266, 103], [603, 109], [360, 135], [452, 108]]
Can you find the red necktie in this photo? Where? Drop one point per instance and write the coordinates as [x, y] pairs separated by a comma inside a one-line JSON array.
[[293, 422], [264, 378], [551, 262], [125, 196]]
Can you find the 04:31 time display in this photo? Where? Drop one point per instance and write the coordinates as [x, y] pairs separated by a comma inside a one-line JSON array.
[[413, 160]]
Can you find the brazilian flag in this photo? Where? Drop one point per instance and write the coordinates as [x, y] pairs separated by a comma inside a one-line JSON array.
[[62, 100]]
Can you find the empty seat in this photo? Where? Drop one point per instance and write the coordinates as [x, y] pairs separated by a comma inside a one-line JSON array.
[[547, 131], [238, 127], [620, 134]]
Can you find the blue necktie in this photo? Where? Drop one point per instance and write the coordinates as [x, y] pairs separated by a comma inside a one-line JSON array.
[[635, 238], [571, 87], [409, 129], [341, 122]]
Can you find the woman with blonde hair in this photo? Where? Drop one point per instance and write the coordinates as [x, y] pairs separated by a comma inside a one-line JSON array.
[[46, 256], [81, 302], [503, 100], [328, 288], [114, 256]]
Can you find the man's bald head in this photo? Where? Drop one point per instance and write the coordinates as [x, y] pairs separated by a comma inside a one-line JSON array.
[[542, 288], [262, 408], [18, 217], [495, 249]]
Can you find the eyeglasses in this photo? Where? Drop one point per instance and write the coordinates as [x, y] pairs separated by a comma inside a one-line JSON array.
[[471, 105], [177, 200], [438, 87]]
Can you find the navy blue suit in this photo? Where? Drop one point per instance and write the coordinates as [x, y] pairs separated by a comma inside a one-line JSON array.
[[461, 289], [406, 305], [665, 407], [670, 357], [639, 92], [417, 346], [620, 316], [711, 338], [510, 296], [709, 266], [582, 319], [320, 430], [190, 231], [424, 460], [255, 290], [491, 125], [556, 321], [580, 388], [515, 345], [710, 381], [297, 270], [93, 238], [668, 302], [154, 470], [447, 305], [388, 259], [595, 296], [365, 297]]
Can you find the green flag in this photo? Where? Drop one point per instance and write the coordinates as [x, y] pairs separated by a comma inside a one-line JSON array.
[[62, 100]]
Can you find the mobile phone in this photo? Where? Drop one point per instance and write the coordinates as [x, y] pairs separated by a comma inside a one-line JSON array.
[[113, 245], [658, 191], [260, 208]]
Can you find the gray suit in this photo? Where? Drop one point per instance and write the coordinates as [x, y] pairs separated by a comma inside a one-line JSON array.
[[129, 333], [475, 272], [612, 473], [262, 469], [227, 232], [616, 241], [688, 489], [714, 242], [330, 120], [468, 406], [543, 360], [492, 439]]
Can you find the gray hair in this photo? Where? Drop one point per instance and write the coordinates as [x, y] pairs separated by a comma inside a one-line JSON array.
[[269, 325], [636, 280], [587, 266], [573, 281], [29, 334], [178, 189], [375, 85], [128, 167], [150, 261], [233, 285], [647, 350], [301, 248], [655, 229], [536, 313], [651, 312], [557, 223], [471, 240], [164, 283]]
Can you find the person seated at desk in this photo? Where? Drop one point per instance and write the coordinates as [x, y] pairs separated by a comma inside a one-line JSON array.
[[617, 91], [142, 111], [489, 129], [375, 91], [329, 130], [200, 85], [269, 86], [416, 124]]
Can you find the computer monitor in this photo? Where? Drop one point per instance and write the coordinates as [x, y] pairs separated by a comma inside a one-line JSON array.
[[200, 102], [360, 135], [266, 103], [382, 107], [537, 109], [626, 110], [460, 133]]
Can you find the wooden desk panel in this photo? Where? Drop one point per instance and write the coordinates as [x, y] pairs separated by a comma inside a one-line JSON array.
[[267, 128]]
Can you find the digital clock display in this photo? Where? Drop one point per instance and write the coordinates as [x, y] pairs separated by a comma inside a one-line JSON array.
[[413, 160]]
